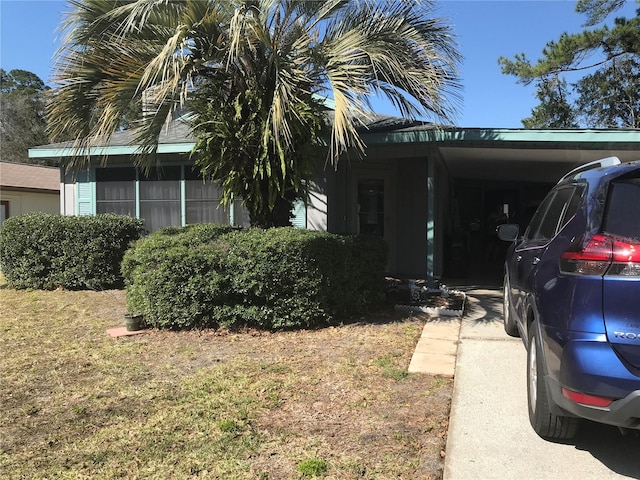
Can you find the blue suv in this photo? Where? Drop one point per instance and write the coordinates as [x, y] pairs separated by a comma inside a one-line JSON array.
[[572, 292]]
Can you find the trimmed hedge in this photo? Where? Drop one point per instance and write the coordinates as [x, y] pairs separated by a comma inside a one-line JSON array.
[[45, 251], [271, 279]]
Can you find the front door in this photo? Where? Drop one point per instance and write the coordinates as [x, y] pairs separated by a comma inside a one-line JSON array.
[[373, 208]]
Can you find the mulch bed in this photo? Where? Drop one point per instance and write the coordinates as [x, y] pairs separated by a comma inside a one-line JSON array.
[[410, 293]]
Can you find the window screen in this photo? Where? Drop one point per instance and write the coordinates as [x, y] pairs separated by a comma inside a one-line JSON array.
[[203, 200], [160, 198], [115, 191]]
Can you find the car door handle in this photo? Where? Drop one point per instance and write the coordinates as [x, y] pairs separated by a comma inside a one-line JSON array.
[[535, 261]]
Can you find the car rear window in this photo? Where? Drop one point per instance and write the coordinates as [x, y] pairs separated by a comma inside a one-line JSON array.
[[622, 215]]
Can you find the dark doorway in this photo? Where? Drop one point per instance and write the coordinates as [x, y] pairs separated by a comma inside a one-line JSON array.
[[473, 252]]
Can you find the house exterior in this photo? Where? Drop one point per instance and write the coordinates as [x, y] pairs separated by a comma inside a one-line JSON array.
[[428, 191], [28, 188]]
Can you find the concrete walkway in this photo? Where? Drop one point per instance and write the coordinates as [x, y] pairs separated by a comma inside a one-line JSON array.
[[436, 350], [489, 433]]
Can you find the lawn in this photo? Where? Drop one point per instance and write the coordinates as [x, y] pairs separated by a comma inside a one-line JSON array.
[[329, 403]]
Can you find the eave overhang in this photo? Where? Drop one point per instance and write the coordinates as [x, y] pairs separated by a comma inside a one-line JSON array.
[[103, 151], [503, 136], [462, 137]]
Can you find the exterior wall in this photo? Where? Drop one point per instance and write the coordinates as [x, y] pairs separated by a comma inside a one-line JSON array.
[[441, 213], [407, 211], [26, 188], [67, 194], [412, 182], [28, 202], [337, 199], [317, 206], [412, 217]]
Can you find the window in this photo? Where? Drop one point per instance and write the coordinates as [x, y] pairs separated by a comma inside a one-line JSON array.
[[202, 200], [115, 191], [160, 198], [371, 207], [556, 210], [621, 216], [167, 196], [534, 225], [4, 210]]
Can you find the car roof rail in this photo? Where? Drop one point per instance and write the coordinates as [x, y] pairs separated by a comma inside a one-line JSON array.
[[603, 162]]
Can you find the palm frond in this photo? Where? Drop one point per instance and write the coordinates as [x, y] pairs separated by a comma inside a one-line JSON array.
[[250, 68]]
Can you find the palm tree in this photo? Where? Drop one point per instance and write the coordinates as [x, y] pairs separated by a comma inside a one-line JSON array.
[[251, 72]]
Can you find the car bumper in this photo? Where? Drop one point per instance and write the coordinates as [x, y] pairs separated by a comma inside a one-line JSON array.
[[624, 412], [590, 365]]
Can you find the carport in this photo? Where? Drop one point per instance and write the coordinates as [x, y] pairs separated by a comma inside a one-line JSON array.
[[443, 184]]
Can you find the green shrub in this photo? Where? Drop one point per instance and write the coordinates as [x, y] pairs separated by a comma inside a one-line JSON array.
[[46, 251], [271, 279], [194, 234], [173, 276]]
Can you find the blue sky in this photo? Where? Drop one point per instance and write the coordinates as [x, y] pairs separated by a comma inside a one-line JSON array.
[[485, 30]]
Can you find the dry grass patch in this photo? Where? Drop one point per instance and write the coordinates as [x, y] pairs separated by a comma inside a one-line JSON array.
[[330, 403]]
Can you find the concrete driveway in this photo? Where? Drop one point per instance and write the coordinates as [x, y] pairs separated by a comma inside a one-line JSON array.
[[489, 432]]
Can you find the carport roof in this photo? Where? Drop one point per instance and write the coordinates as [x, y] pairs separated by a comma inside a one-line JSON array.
[[485, 136], [499, 154]]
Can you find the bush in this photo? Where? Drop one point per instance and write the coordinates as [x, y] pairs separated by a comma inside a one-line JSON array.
[[46, 251], [271, 279], [194, 234], [173, 276]]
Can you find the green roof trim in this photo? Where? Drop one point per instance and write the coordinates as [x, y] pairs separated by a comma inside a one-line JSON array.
[[423, 135], [58, 152]]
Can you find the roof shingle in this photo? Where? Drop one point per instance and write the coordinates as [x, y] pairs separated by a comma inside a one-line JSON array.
[[22, 176]]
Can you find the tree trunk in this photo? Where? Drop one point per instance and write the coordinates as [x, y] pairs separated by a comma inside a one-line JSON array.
[[280, 216]]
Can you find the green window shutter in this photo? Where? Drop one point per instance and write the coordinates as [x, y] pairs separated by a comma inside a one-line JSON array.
[[84, 195], [299, 211]]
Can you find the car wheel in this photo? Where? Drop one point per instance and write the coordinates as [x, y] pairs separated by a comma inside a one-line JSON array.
[[509, 322], [544, 422]]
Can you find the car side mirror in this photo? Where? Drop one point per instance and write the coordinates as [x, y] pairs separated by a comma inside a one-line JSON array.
[[508, 232]]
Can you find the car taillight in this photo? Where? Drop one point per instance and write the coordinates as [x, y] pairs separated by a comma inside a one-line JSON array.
[[584, 399], [590, 257], [626, 259], [600, 254]]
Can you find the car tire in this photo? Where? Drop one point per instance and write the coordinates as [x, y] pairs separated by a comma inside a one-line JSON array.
[[545, 423], [509, 322]]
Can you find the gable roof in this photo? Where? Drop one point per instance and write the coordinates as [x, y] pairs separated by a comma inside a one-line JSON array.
[[33, 178], [176, 137]]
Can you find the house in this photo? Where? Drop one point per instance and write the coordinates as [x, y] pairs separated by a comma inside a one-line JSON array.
[[428, 191], [28, 188]]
